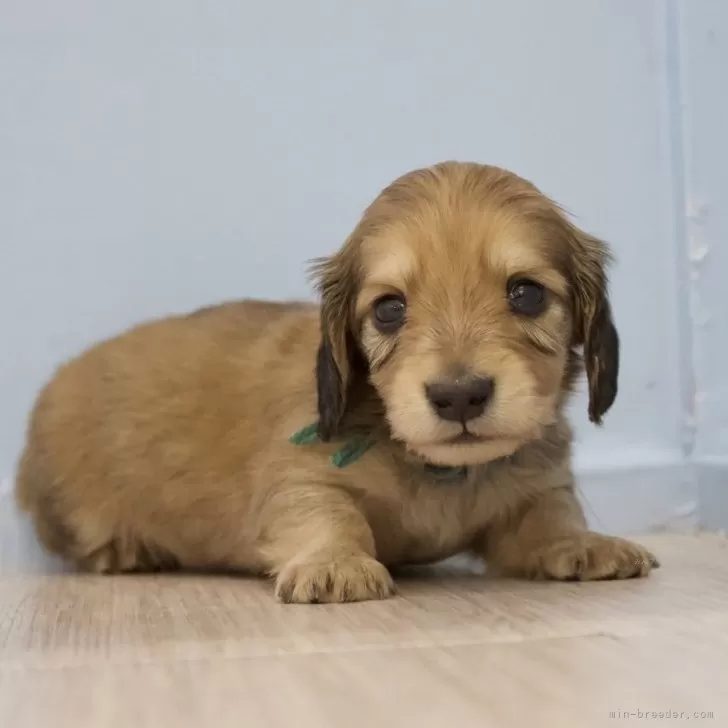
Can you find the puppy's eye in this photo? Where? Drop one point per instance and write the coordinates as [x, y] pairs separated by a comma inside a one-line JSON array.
[[389, 313], [526, 297]]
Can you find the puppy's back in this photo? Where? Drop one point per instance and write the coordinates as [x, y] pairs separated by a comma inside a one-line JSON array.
[[144, 423]]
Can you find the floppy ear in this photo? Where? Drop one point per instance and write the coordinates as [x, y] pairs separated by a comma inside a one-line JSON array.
[[594, 328], [337, 281]]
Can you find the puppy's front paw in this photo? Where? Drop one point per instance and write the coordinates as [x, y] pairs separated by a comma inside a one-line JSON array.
[[351, 579], [591, 556]]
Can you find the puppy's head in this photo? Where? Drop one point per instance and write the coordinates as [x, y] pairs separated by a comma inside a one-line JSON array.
[[462, 297]]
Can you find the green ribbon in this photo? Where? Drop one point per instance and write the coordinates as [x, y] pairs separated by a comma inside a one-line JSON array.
[[306, 436], [348, 453], [354, 448]]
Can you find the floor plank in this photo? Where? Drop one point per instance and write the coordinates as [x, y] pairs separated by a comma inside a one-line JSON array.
[[455, 648]]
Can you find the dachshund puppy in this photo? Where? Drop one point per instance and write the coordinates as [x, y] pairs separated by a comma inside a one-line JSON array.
[[416, 414]]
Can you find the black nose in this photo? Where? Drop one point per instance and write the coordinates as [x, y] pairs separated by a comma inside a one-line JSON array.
[[462, 401]]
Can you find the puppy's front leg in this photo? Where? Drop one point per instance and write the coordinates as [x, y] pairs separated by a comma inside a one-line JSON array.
[[549, 539], [320, 548]]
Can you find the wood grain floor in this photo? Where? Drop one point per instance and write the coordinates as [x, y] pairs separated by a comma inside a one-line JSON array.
[[455, 649]]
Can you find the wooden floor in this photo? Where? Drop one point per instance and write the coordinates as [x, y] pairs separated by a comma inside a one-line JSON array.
[[456, 649]]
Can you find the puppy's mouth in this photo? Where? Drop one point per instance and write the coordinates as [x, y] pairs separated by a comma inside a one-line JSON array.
[[465, 449], [465, 437]]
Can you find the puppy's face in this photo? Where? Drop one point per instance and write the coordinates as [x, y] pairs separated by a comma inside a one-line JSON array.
[[461, 296]]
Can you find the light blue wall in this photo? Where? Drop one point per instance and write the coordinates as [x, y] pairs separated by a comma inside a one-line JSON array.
[[157, 155]]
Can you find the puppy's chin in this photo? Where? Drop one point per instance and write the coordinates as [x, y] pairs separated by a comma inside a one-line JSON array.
[[459, 454]]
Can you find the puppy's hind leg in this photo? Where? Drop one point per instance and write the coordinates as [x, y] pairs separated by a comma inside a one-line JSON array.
[[78, 536], [92, 547], [126, 554], [320, 548], [34, 497]]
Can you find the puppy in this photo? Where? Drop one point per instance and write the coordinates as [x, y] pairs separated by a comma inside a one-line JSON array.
[[418, 413]]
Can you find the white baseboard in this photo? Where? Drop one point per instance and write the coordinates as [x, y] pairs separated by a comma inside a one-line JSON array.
[[640, 500], [713, 484]]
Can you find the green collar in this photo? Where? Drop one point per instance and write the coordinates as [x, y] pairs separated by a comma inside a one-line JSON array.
[[355, 447]]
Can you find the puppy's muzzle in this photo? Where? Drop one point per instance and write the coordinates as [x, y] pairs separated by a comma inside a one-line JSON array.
[[460, 401]]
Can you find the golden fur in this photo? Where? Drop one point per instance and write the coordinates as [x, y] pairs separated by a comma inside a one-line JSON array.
[[168, 446]]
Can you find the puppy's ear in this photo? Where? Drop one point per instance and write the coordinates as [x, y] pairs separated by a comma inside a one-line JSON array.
[[594, 328], [337, 282]]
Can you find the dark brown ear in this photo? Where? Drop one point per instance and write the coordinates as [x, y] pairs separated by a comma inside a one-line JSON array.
[[337, 282], [594, 328]]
